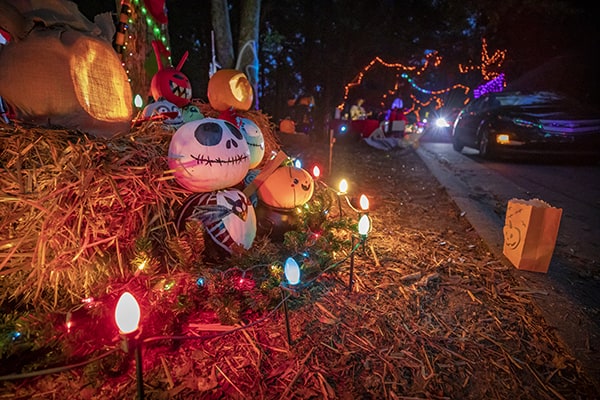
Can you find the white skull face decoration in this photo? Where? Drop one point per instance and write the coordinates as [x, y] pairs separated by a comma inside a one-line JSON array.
[[208, 154], [255, 139], [165, 110], [227, 215]]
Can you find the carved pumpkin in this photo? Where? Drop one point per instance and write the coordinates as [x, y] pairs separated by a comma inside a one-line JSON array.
[[229, 88], [208, 154], [170, 83], [255, 139], [287, 187], [227, 215], [64, 77]]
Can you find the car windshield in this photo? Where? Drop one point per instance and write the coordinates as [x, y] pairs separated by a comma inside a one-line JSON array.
[[529, 99]]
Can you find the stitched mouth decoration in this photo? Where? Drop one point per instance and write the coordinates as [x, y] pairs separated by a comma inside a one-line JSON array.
[[209, 154], [208, 161]]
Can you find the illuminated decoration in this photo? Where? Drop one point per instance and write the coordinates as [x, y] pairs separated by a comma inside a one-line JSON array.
[[407, 73], [127, 313], [495, 85], [292, 271], [364, 225], [292, 275], [316, 172], [138, 101], [127, 317], [72, 80], [137, 26], [343, 186], [490, 65], [364, 202]]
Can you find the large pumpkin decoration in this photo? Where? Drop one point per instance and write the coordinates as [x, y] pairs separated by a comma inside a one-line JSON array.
[[208, 154], [229, 88], [170, 83], [287, 187], [255, 139], [59, 74], [227, 215]]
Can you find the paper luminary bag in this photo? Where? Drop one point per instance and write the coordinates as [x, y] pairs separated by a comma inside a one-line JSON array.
[[530, 232]]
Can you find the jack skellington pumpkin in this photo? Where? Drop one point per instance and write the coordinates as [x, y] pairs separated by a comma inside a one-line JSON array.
[[208, 154]]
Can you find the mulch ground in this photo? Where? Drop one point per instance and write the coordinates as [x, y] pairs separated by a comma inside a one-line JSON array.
[[432, 314]]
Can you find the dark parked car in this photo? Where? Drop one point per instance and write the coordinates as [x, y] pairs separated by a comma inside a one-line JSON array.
[[520, 123]]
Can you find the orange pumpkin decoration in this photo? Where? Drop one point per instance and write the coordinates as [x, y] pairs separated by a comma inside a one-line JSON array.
[[287, 187], [230, 88], [287, 126]]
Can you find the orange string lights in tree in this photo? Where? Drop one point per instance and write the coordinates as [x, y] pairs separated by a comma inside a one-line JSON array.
[[490, 65], [432, 60]]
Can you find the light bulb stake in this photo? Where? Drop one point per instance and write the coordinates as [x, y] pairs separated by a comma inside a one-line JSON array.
[[132, 341], [352, 251], [286, 315]]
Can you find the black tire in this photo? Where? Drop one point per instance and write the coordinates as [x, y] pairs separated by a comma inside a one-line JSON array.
[[486, 146], [457, 145]]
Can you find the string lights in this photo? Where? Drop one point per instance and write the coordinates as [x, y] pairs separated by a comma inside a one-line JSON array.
[[490, 65], [135, 22], [407, 73]]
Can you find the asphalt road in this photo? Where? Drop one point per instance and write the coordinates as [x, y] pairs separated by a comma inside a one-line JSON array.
[[569, 293]]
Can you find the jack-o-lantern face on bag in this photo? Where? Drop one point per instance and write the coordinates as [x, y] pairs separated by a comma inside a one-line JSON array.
[[208, 154], [287, 187], [255, 139], [512, 236]]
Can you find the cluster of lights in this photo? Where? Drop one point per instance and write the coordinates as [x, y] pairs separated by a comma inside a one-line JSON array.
[[124, 39], [489, 64], [495, 85], [432, 60], [128, 313]]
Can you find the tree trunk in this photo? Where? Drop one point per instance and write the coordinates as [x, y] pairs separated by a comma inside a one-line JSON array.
[[247, 60], [222, 29]]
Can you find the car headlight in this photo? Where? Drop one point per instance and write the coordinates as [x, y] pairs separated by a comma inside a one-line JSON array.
[[507, 139], [441, 123]]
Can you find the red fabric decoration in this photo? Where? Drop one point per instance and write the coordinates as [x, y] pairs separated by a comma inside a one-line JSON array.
[[231, 115], [157, 9]]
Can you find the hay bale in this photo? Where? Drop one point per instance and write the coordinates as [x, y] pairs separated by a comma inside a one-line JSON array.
[[72, 208]]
